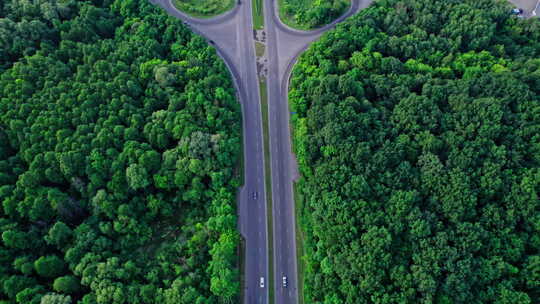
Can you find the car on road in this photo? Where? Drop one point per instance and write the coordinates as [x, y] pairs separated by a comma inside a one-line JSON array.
[[284, 281], [517, 11], [255, 195], [261, 282]]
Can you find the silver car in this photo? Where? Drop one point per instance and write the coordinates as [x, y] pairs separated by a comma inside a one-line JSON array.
[[284, 281]]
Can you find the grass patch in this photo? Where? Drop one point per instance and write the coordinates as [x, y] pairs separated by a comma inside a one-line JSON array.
[[258, 17], [298, 206], [204, 8], [297, 7], [300, 223], [259, 50], [268, 183]]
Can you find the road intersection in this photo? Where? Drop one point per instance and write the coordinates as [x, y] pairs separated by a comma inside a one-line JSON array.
[[232, 35]]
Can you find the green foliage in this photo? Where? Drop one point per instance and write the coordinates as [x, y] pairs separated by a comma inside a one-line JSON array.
[[309, 14], [67, 284], [119, 134], [49, 266], [416, 131], [59, 235], [204, 8], [53, 298]]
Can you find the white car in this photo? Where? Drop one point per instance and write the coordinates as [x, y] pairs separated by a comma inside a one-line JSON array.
[[261, 282], [284, 281]]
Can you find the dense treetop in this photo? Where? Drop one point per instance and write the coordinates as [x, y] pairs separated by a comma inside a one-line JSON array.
[[119, 134], [417, 130]]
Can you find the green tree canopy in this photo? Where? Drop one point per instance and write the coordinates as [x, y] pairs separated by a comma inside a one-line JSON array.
[[119, 138], [416, 130]]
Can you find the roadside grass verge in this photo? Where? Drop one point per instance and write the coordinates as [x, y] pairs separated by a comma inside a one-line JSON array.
[[242, 262], [258, 17], [298, 207], [268, 184], [242, 250], [204, 8], [301, 222]]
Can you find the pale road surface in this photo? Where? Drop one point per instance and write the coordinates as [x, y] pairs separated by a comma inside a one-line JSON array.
[[232, 35], [530, 7]]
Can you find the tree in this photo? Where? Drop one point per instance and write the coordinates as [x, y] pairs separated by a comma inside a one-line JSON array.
[[15, 239], [59, 235], [49, 266], [98, 104], [67, 284], [53, 298], [137, 177], [407, 127]]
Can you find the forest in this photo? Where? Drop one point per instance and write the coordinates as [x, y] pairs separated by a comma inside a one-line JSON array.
[[119, 147], [417, 131], [310, 14]]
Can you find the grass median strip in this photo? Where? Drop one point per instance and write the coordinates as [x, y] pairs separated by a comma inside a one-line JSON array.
[[259, 49], [268, 183], [257, 10]]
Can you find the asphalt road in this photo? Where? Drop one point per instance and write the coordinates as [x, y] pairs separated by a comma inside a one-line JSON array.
[[530, 8], [232, 36]]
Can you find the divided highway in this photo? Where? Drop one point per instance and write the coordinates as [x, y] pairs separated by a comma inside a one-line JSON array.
[[232, 35]]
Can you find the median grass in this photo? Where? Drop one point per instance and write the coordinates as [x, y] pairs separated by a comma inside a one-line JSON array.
[[258, 17], [268, 182], [204, 8], [259, 49]]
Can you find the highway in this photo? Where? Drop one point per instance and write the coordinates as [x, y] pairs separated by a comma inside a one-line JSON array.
[[232, 35]]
